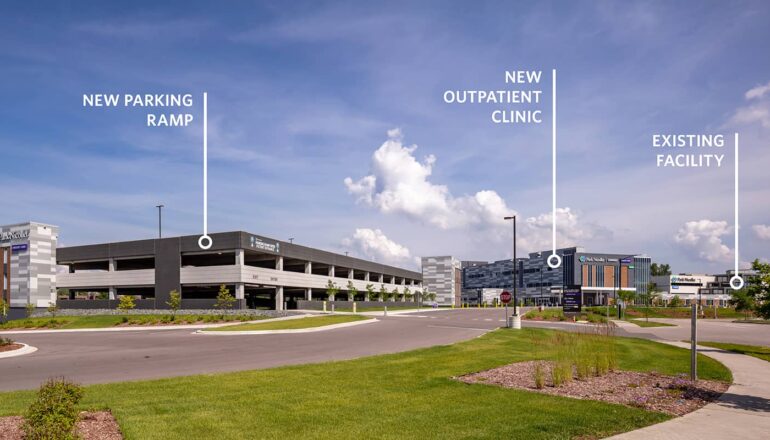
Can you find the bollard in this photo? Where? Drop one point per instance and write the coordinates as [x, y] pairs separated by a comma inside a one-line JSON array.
[[514, 322], [386, 311], [332, 307], [694, 343], [354, 307], [324, 306]]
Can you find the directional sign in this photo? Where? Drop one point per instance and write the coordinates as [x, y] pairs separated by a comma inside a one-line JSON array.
[[572, 299], [505, 297]]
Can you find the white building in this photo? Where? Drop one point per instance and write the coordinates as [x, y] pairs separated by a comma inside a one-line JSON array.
[[443, 276], [688, 287], [28, 257]]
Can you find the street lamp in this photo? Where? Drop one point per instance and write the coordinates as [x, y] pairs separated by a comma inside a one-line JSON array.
[[513, 272], [291, 240], [160, 220], [616, 285]]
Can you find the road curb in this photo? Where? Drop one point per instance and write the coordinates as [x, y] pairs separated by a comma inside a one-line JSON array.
[[291, 331], [26, 349]]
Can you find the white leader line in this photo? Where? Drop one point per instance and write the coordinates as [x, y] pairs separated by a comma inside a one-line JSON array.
[[205, 165], [737, 225], [553, 177], [204, 241]]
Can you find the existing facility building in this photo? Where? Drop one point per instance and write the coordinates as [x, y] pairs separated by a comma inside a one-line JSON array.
[[260, 271], [28, 257], [706, 290]]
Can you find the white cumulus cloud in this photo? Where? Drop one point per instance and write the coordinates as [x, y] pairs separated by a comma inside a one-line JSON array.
[[400, 184], [374, 244], [704, 239], [762, 231], [758, 109], [570, 230]]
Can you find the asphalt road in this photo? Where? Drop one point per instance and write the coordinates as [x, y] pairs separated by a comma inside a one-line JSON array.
[[99, 357]]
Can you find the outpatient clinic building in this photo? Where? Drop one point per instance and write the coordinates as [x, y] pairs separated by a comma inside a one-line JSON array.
[[599, 275], [259, 271]]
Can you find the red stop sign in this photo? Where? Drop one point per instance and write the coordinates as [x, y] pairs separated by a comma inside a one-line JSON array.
[[505, 297]]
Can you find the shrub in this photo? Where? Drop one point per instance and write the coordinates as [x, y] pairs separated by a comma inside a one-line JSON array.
[[5, 341], [54, 412], [174, 302], [126, 302], [225, 300], [52, 309], [29, 309]]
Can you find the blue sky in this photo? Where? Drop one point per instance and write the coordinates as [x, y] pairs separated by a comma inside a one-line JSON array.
[[302, 96]]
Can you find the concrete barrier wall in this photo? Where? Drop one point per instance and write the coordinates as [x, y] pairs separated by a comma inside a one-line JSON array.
[[141, 304], [339, 305]]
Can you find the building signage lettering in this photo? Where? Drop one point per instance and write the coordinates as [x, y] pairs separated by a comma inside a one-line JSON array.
[[14, 235], [684, 280], [585, 259], [19, 248], [257, 243]]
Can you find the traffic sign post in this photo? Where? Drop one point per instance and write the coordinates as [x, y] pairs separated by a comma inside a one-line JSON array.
[[505, 298]]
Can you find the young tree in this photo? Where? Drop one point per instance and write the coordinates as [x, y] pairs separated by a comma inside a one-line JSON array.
[[225, 299], [430, 296], [52, 309], [384, 295], [648, 298], [743, 302], [174, 302], [29, 309], [126, 302], [759, 289], [371, 295], [331, 290], [394, 294], [4, 309], [675, 301], [417, 296], [352, 291], [408, 294]]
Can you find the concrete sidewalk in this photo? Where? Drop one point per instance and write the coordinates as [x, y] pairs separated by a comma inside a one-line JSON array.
[[743, 411]]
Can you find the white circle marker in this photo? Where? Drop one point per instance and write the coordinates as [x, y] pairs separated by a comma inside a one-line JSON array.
[[737, 283], [554, 261], [205, 242]]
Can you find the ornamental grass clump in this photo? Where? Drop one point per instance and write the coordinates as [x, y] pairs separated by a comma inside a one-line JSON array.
[[591, 353], [54, 412], [539, 376]]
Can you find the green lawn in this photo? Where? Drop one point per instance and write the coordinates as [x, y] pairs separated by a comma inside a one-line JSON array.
[[293, 324], [104, 321], [404, 395], [642, 323], [757, 351]]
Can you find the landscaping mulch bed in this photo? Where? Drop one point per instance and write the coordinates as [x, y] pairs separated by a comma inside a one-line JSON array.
[[651, 391], [93, 425], [10, 347]]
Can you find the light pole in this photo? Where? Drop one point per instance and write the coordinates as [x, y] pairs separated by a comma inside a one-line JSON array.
[[513, 272], [160, 220], [617, 283], [291, 240]]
